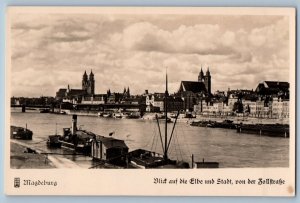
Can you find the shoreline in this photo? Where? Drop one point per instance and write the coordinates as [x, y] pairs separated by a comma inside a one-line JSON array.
[[151, 116], [20, 159]]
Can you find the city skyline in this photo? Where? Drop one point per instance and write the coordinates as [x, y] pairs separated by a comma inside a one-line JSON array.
[[50, 51]]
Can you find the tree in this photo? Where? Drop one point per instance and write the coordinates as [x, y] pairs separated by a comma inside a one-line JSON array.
[[108, 93], [248, 109], [238, 107]]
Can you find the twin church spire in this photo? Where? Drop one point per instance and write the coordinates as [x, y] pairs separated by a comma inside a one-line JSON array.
[[88, 83], [206, 79]]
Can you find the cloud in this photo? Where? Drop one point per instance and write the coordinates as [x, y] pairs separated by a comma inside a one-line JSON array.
[[128, 50], [198, 39]]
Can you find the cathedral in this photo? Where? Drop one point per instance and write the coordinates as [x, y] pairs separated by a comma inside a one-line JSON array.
[[203, 85], [206, 79], [88, 89], [190, 91], [88, 83]]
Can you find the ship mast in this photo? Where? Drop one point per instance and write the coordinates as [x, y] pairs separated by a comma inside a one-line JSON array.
[[166, 118]]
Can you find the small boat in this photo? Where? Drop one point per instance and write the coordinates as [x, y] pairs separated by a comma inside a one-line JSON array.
[[133, 116], [189, 115], [163, 118], [54, 141], [20, 133], [106, 115], [117, 115], [173, 115], [45, 111], [228, 121]]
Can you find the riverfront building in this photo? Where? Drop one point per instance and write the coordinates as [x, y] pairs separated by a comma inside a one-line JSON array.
[[75, 95], [192, 92], [156, 103], [269, 100]]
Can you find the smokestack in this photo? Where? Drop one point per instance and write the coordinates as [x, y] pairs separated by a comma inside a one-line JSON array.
[[74, 124]]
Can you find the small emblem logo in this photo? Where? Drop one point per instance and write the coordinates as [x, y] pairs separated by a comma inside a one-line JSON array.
[[17, 182]]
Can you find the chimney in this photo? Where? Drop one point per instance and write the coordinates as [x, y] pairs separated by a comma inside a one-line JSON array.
[[74, 124]]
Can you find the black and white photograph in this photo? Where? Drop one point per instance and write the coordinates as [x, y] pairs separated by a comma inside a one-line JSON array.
[[136, 89]]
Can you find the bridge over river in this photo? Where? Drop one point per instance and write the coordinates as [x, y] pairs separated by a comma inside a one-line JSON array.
[[88, 107]]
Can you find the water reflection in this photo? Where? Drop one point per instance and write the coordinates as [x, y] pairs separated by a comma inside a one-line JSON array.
[[231, 149]]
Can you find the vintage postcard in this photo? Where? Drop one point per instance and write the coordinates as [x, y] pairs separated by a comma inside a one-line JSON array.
[[157, 101]]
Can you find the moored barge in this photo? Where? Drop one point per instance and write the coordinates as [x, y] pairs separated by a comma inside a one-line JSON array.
[[102, 149], [272, 130], [20, 133]]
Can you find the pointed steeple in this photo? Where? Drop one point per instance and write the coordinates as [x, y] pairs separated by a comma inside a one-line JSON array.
[[201, 75], [128, 92], [91, 76], [84, 78], [207, 72]]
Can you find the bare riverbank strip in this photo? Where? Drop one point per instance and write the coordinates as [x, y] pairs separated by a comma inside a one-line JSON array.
[[21, 157]]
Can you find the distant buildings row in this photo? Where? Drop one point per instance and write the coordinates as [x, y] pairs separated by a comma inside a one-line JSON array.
[[270, 98]]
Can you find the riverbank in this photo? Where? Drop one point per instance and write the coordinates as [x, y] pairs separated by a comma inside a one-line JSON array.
[[213, 144], [39, 159], [21, 159], [181, 118]]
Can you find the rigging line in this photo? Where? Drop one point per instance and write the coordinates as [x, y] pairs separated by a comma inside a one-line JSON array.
[[173, 149], [156, 141], [152, 141], [173, 146], [186, 144], [172, 131], [154, 137], [159, 133], [152, 144], [179, 146]]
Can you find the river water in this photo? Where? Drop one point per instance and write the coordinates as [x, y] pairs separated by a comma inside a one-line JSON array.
[[229, 148]]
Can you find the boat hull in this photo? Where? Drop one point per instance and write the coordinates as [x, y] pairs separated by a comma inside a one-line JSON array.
[[20, 133]]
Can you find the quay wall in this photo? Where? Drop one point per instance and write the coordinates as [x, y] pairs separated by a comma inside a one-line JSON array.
[[235, 119], [82, 112]]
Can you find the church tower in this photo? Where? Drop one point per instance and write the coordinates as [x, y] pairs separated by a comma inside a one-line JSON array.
[[85, 82], [207, 81], [201, 76], [91, 87], [88, 83]]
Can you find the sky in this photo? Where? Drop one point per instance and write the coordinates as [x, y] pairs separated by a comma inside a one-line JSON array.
[[50, 51]]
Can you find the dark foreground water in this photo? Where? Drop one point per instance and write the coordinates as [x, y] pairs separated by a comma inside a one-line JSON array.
[[230, 149]]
